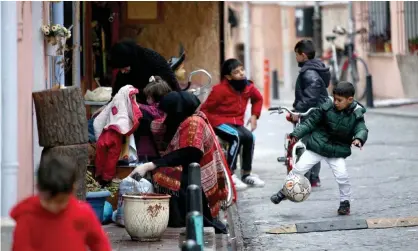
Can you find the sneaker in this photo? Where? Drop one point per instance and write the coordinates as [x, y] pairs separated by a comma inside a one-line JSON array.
[[239, 185], [344, 208], [315, 183], [277, 198], [253, 180]]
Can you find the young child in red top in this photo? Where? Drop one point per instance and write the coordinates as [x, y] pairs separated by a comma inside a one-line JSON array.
[[225, 108], [55, 220]]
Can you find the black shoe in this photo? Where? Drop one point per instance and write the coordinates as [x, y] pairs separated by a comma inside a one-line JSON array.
[[277, 198], [344, 208]]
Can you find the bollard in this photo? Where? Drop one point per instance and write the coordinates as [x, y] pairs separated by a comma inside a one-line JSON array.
[[266, 95], [194, 218], [194, 228], [194, 198], [276, 94], [190, 245], [194, 174], [369, 91]]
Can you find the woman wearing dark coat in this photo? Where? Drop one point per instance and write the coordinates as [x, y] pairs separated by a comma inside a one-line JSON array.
[[136, 65]]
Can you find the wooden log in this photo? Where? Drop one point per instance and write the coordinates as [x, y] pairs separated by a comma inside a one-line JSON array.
[[79, 153], [61, 117]]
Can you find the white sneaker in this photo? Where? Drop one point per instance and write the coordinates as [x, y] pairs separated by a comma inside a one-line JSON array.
[[239, 185], [253, 180]]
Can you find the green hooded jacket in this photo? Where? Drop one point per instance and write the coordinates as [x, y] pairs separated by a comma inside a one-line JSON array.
[[333, 131]]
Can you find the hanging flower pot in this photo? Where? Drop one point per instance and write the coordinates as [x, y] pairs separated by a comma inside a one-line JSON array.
[[56, 36], [55, 46]]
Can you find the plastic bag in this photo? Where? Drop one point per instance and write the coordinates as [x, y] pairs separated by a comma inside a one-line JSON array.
[[130, 185]]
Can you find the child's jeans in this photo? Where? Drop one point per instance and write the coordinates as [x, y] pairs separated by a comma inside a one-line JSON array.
[[309, 159]]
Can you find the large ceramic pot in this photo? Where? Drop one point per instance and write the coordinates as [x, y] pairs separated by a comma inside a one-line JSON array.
[[97, 201], [146, 216]]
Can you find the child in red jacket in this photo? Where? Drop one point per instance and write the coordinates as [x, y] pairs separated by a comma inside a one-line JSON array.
[[225, 108], [55, 219]]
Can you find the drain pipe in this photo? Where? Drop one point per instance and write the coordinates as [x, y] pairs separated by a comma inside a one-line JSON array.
[[247, 39], [1, 122], [9, 164], [76, 44], [58, 18]]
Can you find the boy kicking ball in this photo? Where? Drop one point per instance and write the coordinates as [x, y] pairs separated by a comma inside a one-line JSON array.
[[334, 127]]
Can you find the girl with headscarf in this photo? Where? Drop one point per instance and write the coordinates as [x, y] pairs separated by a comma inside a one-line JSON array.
[[190, 140]]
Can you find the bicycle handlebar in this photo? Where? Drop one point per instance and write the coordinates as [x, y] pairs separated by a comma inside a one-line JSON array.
[[189, 81], [342, 31], [281, 108]]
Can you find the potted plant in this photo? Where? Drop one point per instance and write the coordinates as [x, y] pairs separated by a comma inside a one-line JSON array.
[[96, 195], [56, 36], [145, 214], [413, 45]]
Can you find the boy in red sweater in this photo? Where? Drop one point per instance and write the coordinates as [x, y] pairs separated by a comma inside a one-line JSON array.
[[55, 220], [225, 108]]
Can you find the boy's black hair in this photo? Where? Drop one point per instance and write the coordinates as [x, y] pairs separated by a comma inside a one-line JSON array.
[[344, 89], [306, 46], [56, 175], [229, 65]]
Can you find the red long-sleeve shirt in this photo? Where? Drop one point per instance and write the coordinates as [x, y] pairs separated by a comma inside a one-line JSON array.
[[224, 105], [75, 228]]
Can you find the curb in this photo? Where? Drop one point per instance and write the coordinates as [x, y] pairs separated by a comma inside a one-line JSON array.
[[392, 113], [236, 231], [348, 224]]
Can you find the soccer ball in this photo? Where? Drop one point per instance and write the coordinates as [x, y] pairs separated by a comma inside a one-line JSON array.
[[296, 188]]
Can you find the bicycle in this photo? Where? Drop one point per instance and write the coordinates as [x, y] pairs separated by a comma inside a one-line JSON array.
[[349, 66], [293, 150]]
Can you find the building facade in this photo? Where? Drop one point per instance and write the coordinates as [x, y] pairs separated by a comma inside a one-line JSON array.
[[26, 65], [390, 47]]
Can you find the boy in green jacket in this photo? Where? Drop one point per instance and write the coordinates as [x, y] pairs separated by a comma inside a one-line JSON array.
[[335, 126]]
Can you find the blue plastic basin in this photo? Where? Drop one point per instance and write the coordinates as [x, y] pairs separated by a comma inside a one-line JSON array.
[[97, 201]]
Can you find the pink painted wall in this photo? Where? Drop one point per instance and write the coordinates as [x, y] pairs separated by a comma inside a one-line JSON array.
[[25, 82], [383, 66]]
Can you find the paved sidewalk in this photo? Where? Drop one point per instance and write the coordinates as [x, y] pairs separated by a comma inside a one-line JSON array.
[[121, 241], [170, 241]]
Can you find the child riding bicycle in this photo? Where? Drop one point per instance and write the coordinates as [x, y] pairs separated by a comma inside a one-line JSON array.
[[225, 108], [335, 126]]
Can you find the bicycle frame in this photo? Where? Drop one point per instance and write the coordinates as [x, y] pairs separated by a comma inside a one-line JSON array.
[[290, 148], [350, 62]]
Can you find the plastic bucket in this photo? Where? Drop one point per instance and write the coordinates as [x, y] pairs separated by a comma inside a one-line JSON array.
[[97, 201]]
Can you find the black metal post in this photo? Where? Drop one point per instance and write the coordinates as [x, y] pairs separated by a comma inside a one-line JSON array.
[[369, 91], [194, 174], [194, 198], [276, 94], [194, 218], [317, 27]]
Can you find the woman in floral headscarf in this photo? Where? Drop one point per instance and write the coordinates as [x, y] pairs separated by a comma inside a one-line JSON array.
[[191, 139]]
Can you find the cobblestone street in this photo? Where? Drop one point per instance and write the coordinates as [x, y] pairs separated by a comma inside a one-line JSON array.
[[384, 184]]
